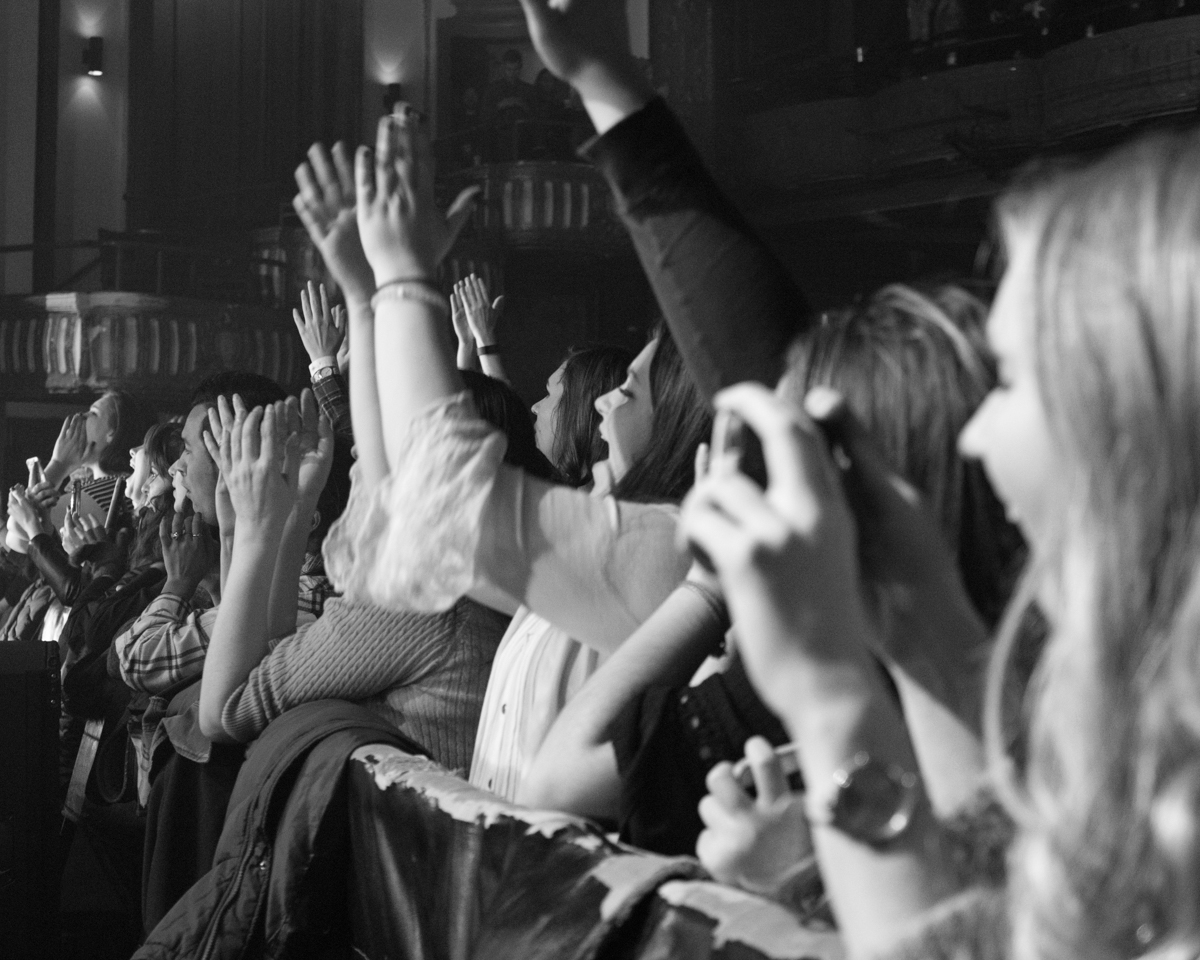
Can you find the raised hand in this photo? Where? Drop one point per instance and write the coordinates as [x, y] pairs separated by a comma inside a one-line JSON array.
[[261, 492], [220, 421], [343, 354], [70, 449], [25, 513], [325, 205], [575, 37], [787, 555], [482, 315], [189, 553], [314, 454], [760, 844], [318, 324], [404, 235]]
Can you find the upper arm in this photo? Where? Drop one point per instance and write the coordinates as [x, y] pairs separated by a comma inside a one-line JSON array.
[[594, 569]]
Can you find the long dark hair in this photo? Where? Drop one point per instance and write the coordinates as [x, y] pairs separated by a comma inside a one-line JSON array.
[[587, 374], [132, 421], [681, 421], [500, 406]]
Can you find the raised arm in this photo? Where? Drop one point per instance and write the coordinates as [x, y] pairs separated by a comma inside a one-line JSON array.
[[325, 205], [482, 315], [575, 768], [322, 329], [731, 305], [263, 486], [405, 237]]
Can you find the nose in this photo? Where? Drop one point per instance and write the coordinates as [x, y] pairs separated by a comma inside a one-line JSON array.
[[970, 437], [606, 402]]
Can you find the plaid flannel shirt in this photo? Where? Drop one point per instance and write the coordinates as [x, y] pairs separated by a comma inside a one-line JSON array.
[[331, 395]]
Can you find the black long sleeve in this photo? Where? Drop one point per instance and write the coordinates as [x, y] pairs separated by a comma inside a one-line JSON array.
[[731, 306]]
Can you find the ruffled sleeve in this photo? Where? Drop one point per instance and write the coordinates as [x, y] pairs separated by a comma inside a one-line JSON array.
[[411, 542]]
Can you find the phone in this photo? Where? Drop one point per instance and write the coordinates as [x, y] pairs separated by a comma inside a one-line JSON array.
[[114, 506], [76, 493], [35, 471], [732, 437], [788, 760]]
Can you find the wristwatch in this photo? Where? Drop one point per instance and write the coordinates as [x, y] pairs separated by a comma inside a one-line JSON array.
[[873, 802], [322, 367]]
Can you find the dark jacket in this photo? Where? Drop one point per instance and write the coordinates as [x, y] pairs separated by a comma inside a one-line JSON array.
[[282, 859]]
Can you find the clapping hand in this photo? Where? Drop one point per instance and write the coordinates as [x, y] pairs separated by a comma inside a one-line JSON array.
[[759, 843], [220, 421], [404, 235], [480, 313], [26, 514], [260, 464], [318, 324], [314, 453], [325, 205]]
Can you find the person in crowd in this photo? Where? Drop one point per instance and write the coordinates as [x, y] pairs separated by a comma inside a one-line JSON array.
[[592, 566], [508, 98], [475, 316], [322, 330], [95, 448], [426, 673], [638, 742], [566, 420]]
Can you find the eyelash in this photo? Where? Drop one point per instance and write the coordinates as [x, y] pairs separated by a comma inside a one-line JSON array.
[[625, 393]]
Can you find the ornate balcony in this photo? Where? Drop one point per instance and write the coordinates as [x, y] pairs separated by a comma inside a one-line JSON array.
[[157, 347]]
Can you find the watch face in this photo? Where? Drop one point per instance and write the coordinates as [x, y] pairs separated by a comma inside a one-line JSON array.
[[876, 802]]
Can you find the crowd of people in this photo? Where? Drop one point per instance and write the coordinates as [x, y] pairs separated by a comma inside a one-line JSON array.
[[883, 613]]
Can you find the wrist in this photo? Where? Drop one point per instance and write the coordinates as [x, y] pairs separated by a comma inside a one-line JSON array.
[[179, 586]]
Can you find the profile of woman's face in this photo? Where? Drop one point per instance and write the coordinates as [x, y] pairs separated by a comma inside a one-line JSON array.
[[135, 489], [1010, 432], [545, 413], [627, 414], [100, 427]]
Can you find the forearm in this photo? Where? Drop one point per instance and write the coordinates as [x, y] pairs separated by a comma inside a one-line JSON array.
[[55, 567], [56, 472], [414, 365], [731, 306], [365, 413], [226, 558], [285, 583], [575, 768], [240, 635], [837, 713], [493, 366]]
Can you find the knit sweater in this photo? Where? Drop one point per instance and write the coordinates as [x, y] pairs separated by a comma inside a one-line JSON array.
[[426, 673]]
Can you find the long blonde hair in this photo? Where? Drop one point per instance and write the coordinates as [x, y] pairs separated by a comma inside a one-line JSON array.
[[1109, 808]]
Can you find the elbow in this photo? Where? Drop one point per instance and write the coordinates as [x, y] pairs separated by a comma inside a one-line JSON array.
[[537, 790], [212, 726]]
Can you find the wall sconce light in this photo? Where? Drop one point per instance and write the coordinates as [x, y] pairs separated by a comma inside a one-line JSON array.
[[93, 57], [393, 93]]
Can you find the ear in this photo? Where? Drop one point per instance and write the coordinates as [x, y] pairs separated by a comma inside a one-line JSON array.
[[316, 521]]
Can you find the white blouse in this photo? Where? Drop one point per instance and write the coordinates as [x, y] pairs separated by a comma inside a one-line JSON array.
[[454, 518]]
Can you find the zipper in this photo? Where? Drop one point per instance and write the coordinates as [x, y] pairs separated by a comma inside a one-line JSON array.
[[209, 944]]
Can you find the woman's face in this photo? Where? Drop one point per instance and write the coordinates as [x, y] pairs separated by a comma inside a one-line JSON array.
[[101, 427], [545, 413], [156, 485], [1010, 432], [627, 414], [139, 465]]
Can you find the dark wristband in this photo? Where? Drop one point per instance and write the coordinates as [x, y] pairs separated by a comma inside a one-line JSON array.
[[488, 350]]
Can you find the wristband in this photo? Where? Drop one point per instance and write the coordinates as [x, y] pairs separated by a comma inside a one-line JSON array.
[[422, 291], [488, 350], [321, 363]]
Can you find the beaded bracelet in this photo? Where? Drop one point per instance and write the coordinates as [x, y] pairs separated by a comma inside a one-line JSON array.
[[421, 291]]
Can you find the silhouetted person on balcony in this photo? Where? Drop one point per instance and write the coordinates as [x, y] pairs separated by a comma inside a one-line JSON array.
[[508, 98]]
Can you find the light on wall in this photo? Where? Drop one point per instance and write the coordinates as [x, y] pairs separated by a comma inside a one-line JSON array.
[[93, 57]]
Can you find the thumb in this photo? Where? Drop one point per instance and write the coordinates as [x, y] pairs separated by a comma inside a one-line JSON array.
[[498, 304]]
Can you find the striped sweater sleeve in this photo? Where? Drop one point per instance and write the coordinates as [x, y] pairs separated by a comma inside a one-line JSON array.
[[353, 652]]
